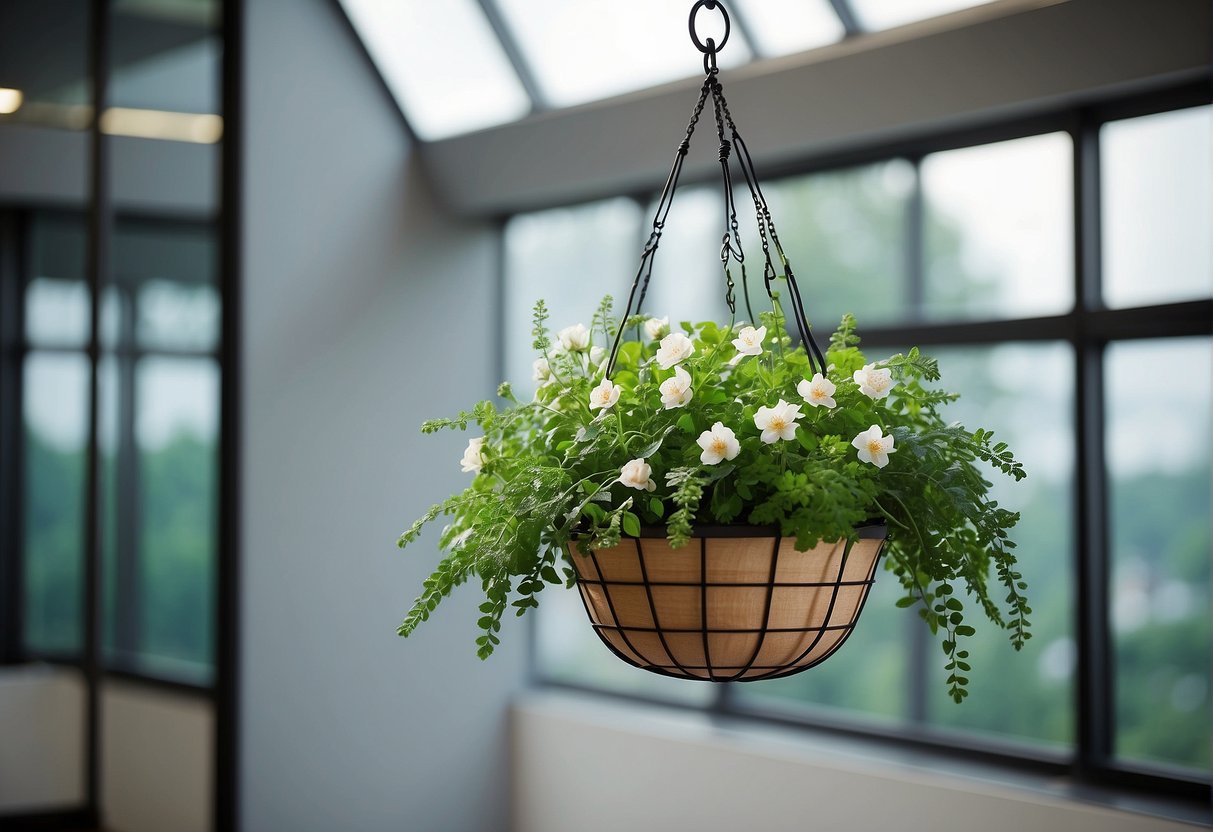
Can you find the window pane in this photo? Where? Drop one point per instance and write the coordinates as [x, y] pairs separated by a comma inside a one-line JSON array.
[[1025, 695], [1157, 179], [569, 257], [442, 62], [56, 437], [885, 14], [688, 281], [176, 430], [568, 651], [867, 677], [44, 66], [581, 50], [785, 26], [1158, 459], [844, 233], [57, 300], [178, 315], [176, 66], [999, 229]]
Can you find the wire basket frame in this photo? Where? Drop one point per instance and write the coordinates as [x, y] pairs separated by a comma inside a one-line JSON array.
[[736, 604]]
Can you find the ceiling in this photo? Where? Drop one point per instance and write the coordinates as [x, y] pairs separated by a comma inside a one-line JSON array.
[[460, 66]]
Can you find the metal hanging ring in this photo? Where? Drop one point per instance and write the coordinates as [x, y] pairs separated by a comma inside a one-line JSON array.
[[711, 47]]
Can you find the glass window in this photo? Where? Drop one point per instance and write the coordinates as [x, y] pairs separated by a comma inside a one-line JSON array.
[[582, 50], [999, 229], [442, 62], [1158, 459], [868, 678], [176, 430], [885, 14], [1157, 181], [570, 258], [845, 235], [56, 436], [781, 27], [688, 280], [1026, 695]]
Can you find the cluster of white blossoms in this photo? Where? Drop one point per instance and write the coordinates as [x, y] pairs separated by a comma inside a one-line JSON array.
[[720, 443]]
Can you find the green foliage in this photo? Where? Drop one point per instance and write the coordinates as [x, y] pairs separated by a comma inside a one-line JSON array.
[[553, 470]]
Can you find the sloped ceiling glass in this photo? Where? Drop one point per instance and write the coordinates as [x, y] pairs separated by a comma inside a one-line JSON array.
[[783, 27], [582, 50], [885, 14], [442, 62]]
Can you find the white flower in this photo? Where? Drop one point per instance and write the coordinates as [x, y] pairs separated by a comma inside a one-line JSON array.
[[778, 422], [819, 392], [674, 348], [541, 371], [473, 459], [574, 338], [874, 383], [657, 328], [636, 475], [718, 444], [597, 354], [873, 447], [748, 342], [604, 395], [676, 391]]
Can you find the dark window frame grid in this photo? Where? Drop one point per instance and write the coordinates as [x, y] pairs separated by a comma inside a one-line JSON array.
[[223, 688], [1087, 328], [122, 658]]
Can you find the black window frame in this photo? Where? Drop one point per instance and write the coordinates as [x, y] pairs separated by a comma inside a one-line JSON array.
[[222, 690], [1088, 328]]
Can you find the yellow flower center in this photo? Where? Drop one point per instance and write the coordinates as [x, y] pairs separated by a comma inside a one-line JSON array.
[[719, 446], [778, 423], [875, 446]]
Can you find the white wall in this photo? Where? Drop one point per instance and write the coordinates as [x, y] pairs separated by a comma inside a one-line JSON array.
[[365, 311], [591, 766]]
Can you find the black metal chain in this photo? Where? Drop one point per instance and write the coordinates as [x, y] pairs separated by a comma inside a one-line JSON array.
[[731, 248]]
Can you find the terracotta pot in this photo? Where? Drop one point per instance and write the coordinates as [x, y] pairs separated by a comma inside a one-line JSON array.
[[737, 603]]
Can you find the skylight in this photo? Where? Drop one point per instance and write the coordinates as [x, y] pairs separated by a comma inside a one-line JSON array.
[[462, 65]]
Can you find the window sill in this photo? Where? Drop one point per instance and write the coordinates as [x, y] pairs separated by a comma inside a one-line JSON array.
[[1104, 808]]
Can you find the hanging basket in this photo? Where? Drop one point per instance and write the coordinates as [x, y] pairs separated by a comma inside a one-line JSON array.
[[738, 603]]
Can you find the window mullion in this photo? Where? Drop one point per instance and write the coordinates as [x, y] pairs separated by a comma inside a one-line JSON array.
[[846, 15], [1094, 695], [513, 52], [12, 550]]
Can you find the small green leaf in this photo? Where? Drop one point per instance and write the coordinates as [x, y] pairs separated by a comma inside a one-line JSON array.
[[631, 524], [657, 507]]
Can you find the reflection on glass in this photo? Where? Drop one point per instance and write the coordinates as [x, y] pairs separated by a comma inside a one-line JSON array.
[[176, 429], [845, 235], [999, 229], [55, 405], [1026, 695], [1158, 459], [1157, 192], [582, 50], [176, 66], [442, 62], [44, 63], [785, 26], [867, 677], [885, 14], [569, 257], [568, 651]]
